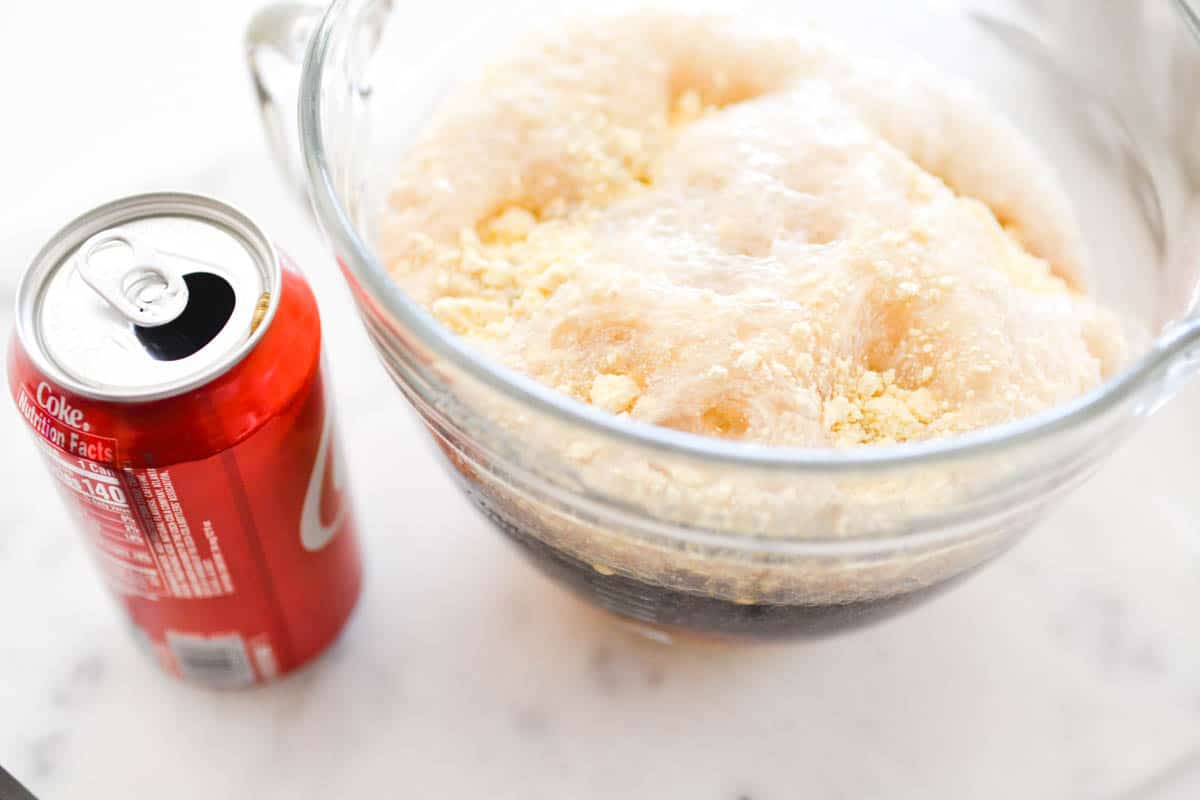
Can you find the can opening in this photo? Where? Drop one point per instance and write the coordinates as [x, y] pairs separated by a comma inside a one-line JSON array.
[[211, 301]]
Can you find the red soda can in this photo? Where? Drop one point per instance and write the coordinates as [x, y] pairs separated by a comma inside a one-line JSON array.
[[168, 360]]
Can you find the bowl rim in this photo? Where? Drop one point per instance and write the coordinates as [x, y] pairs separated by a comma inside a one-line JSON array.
[[1140, 374]]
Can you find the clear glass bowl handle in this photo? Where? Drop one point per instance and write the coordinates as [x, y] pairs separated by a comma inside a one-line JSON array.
[[276, 41]]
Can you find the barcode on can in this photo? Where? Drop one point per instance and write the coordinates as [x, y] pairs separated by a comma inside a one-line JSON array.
[[217, 661]]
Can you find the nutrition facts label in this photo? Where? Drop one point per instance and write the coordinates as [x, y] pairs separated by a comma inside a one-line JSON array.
[[144, 540]]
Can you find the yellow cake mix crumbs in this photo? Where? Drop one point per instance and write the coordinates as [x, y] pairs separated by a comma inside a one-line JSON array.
[[748, 234], [614, 393], [877, 411]]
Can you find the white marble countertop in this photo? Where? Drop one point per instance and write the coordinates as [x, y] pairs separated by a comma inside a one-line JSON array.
[[1069, 669]]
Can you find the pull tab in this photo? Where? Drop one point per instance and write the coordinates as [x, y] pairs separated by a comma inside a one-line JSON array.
[[144, 288]]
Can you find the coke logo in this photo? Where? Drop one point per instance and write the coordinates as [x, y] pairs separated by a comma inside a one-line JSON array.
[[324, 508], [59, 408]]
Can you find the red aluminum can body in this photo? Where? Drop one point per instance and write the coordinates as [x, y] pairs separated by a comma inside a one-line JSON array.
[[218, 516]]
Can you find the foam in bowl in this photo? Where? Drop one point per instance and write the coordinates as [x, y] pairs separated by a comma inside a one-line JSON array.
[[750, 235]]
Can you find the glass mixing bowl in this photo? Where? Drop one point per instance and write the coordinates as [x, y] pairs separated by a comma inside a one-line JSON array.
[[681, 532]]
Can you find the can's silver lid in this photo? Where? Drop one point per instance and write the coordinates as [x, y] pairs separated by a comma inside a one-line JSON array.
[[148, 297]]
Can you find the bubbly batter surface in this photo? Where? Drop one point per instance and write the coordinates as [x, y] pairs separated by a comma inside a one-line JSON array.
[[749, 235]]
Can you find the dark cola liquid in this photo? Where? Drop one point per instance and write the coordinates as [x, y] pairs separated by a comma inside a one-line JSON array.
[[672, 608]]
